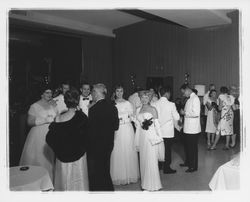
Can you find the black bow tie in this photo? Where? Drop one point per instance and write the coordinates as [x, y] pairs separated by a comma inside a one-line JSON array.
[[85, 98]]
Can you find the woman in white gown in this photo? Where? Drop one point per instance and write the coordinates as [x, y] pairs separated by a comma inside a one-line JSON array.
[[36, 152], [67, 137], [149, 143], [124, 168]]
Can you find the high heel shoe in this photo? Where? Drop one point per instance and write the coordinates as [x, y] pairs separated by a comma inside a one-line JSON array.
[[225, 148], [213, 148]]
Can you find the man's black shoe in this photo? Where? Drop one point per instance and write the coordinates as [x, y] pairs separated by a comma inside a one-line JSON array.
[[190, 170], [183, 165], [169, 171]]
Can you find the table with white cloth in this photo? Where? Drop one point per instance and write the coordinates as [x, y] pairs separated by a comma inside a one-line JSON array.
[[227, 176], [35, 178]]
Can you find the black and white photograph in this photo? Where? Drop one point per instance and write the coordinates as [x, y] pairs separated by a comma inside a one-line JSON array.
[[126, 99]]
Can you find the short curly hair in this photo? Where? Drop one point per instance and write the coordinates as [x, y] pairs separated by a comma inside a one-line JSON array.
[[71, 98], [224, 90]]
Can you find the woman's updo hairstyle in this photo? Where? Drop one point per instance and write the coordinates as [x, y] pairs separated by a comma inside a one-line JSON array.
[[71, 98]]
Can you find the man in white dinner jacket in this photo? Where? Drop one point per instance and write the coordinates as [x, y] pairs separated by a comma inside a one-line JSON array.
[[192, 128], [167, 116]]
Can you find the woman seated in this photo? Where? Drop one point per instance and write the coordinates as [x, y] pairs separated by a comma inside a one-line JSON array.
[[67, 138]]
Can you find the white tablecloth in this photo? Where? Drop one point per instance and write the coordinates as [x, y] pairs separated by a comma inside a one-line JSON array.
[[34, 179], [227, 177]]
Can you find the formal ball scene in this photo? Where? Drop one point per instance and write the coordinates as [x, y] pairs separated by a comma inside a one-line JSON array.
[[116, 100]]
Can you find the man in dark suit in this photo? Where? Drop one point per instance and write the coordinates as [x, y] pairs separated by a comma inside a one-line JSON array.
[[103, 122]]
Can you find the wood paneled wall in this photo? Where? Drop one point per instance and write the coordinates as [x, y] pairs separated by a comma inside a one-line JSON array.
[[209, 55], [213, 54], [150, 49]]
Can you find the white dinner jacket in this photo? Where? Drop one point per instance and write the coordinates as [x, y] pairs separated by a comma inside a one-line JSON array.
[[167, 115], [192, 115]]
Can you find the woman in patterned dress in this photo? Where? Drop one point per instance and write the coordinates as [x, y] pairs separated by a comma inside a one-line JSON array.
[[225, 126]]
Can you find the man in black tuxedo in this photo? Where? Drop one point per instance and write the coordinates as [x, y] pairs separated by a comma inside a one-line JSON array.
[[103, 122]]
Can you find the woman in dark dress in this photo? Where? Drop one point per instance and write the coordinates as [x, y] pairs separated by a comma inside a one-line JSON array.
[[67, 138], [236, 109]]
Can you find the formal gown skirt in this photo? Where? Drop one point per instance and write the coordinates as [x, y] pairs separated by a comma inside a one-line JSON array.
[[210, 125], [71, 176], [149, 155], [36, 151], [124, 168]]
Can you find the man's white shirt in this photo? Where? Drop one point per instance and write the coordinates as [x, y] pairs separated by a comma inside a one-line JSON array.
[[84, 103], [192, 115], [167, 115]]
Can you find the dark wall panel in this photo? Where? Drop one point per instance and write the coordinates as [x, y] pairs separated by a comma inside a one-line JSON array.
[[97, 55], [213, 54], [150, 49]]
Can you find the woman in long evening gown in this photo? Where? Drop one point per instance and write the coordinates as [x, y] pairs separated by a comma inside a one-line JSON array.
[[36, 152], [149, 143], [124, 168], [67, 137]]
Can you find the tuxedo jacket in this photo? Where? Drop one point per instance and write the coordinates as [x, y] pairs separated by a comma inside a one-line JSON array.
[[103, 122], [192, 115], [167, 115]]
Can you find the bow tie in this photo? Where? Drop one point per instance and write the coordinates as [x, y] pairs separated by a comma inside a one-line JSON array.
[[85, 98]]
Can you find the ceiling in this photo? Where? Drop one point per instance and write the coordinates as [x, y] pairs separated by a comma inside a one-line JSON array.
[[103, 22], [195, 18]]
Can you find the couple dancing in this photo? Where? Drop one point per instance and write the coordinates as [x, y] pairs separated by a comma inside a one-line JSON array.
[[75, 149], [94, 136]]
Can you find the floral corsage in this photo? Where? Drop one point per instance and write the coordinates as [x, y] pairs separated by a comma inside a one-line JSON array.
[[146, 123]]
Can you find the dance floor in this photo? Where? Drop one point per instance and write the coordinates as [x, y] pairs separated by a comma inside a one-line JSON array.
[[209, 161]]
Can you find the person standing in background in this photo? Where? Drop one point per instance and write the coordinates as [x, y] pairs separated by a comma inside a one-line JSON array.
[[192, 128], [167, 115], [206, 99], [135, 100], [60, 104], [234, 91], [225, 126], [85, 97], [124, 166], [211, 124]]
